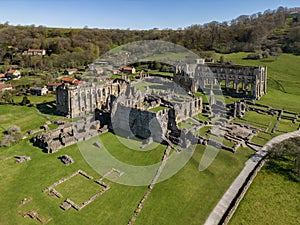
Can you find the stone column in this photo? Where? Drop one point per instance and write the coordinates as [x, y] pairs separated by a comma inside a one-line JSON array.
[[236, 87], [227, 82], [253, 89]]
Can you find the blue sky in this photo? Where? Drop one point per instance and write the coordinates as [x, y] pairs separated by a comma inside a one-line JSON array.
[[133, 14]]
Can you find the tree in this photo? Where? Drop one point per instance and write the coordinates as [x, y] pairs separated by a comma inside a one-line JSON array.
[[157, 65], [285, 157], [25, 101], [11, 135], [5, 66], [7, 97], [276, 51], [222, 59]]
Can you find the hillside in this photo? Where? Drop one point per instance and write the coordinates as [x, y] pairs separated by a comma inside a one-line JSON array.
[[78, 47]]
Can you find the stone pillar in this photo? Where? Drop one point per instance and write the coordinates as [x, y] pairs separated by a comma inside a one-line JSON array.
[[212, 99], [253, 89], [243, 84], [227, 82], [265, 80], [246, 88], [85, 101]]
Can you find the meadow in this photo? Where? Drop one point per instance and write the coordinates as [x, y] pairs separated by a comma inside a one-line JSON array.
[[186, 198], [283, 82], [271, 199]]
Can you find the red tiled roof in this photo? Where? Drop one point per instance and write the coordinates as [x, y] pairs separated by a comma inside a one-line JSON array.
[[11, 71], [71, 80], [68, 79], [77, 82], [127, 68]]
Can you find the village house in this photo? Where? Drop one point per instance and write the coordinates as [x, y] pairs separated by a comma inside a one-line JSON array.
[[38, 52], [51, 86], [5, 87], [12, 74], [39, 91], [70, 71], [99, 70], [114, 72], [128, 70], [70, 80], [3, 76]]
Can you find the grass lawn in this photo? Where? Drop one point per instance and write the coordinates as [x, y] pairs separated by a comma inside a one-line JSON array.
[[202, 118], [142, 86], [19, 181], [189, 196], [24, 81], [259, 140], [36, 99], [135, 157], [228, 143], [27, 118], [177, 199], [161, 73], [185, 125], [287, 126], [157, 109], [283, 79], [258, 120], [271, 199], [79, 189], [186, 198], [203, 130]]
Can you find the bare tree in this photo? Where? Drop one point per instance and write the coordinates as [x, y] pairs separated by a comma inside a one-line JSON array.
[[12, 134]]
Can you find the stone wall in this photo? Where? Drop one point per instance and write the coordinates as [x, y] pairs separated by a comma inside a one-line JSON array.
[[74, 101], [67, 134], [247, 79], [141, 123]]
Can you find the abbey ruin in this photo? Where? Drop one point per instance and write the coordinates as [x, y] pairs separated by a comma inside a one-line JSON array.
[[153, 114], [74, 101], [248, 80]]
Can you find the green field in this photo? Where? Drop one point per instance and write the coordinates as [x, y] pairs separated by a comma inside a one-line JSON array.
[[27, 118], [186, 198], [44, 169], [138, 157], [29, 179], [271, 199], [283, 79], [157, 109], [36, 99], [79, 189]]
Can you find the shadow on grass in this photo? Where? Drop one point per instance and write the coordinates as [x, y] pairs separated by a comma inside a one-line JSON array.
[[267, 60], [47, 108], [282, 167]]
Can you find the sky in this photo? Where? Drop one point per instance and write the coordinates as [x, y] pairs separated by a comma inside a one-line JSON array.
[[130, 14]]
